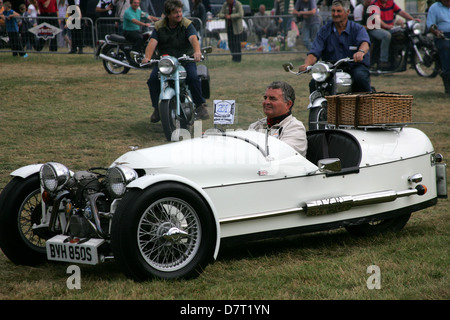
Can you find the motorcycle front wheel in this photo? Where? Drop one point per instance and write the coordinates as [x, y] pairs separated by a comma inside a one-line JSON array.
[[173, 127], [20, 210], [429, 68], [118, 54], [165, 231], [317, 117]]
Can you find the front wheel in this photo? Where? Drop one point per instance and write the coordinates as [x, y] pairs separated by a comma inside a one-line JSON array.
[[166, 231], [379, 227], [429, 68], [318, 117], [175, 127], [116, 53], [20, 210]]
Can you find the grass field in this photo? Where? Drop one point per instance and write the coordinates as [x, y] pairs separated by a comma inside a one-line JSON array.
[[67, 108]]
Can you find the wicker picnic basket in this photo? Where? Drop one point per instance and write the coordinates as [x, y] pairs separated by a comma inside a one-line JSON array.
[[365, 109]]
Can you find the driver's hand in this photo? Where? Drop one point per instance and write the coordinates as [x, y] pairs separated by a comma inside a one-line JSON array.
[[145, 60]]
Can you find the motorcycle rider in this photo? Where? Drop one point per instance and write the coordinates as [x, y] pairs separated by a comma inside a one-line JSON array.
[[341, 38], [388, 10], [132, 24], [438, 21], [175, 35]]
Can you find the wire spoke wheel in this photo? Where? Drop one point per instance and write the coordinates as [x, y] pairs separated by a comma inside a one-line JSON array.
[[30, 213], [169, 234]]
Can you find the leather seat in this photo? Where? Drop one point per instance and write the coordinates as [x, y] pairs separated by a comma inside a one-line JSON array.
[[324, 144]]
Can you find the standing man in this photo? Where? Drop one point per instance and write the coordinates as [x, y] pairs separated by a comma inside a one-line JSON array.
[[264, 24], [233, 12], [307, 11], [388, 10], [438, 21], [175, 35], [277, 106], [341, 38], [132, 25], [49, 8]]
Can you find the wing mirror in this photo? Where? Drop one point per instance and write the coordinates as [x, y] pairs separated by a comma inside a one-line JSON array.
[[207, 50], [288, 67], [330, 165]]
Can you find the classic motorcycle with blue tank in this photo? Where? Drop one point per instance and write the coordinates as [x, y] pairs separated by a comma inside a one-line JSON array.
[[163, 211], [176, 107]]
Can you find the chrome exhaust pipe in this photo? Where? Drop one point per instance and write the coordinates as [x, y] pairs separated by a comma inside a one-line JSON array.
[[343, 203], [334, 204], [107, 58]]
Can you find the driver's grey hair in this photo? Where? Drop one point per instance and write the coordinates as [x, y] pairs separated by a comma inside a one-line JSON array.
[[286, 88]]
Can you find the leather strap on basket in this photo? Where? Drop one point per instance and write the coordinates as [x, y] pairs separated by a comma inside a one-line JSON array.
[[357, 107], [338, 111]]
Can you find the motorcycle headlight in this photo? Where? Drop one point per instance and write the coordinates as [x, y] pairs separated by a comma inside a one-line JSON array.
[[166, 65], [118, 178], [416, 27], [320, 72], [53, 176]]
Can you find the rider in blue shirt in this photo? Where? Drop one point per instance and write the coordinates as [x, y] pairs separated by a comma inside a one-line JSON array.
[[342, 38], [439, 18]]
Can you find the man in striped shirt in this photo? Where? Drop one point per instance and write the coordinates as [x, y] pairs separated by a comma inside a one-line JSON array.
[[388, 10]]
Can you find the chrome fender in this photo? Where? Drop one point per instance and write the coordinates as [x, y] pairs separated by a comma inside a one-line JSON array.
[[317, 103], [146, 181], [25, 172]]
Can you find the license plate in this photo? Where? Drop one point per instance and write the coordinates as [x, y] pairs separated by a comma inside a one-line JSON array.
[[59, 249]]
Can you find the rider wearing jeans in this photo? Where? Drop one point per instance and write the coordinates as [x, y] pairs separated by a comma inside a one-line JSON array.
[[342, 38], [175, 36], [439, 18], [132, 25], [388, 10]]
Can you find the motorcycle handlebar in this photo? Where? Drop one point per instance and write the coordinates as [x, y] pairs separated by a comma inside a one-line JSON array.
[[183, 58]]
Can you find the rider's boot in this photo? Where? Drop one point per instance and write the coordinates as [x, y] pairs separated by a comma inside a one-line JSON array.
[[202, 112], [155, 116]]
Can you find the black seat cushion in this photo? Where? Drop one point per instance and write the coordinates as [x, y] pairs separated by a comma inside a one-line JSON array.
[[333, 144]]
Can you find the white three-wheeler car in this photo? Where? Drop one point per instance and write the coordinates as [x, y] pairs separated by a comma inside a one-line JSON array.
[[162, 211]]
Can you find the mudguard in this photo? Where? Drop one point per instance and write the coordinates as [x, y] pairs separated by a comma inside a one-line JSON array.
[[25, 172], [167, 94]]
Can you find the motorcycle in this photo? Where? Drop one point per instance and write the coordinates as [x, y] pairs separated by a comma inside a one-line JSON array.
[[330, 80], [176, 107], [409, 45], [118, 55]]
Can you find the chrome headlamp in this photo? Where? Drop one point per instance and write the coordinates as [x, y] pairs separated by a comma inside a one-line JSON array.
[[167, 65], [415, 26], [320, 71], [118, 178], [53, 176]]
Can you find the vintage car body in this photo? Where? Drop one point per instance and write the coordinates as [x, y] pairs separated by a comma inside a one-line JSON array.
[[247, 184], [269, 193]]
